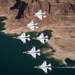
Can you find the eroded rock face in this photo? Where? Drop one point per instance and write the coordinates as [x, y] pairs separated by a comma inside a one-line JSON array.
[[22, 10], [51, 7], [31, 7]]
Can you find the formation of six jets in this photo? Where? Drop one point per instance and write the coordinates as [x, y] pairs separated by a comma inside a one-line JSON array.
[[42, 38]]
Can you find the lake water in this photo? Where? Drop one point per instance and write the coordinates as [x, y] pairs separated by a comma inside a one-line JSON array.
[[14, 62]]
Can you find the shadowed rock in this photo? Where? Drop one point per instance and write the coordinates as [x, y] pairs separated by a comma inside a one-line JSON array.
[[21, 10], [20, 5], [16, 6]]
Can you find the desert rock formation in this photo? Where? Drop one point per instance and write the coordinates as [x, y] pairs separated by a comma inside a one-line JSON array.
[[18, 13]]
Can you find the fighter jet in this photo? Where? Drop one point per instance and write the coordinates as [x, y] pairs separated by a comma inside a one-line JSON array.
[[31, 25], [40, 14], [42, 38], [23, 37], [44, 67], [33, 52]]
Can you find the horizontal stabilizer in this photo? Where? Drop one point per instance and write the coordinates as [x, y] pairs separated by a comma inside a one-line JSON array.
[[38, 50], [46, 37], [49, 64], [50, 69], [38, 54], [28, 39], [28, 35]]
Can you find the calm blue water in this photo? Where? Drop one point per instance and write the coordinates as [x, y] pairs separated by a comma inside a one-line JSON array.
[[14, 62]]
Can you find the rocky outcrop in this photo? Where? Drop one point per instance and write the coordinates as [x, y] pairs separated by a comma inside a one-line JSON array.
[[30, 8], [56, 8], [56, 11]]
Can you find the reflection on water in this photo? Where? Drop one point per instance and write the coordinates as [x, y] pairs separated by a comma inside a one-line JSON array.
[[14, 62]]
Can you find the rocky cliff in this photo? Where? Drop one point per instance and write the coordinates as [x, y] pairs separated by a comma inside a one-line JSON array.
[[59, 13]]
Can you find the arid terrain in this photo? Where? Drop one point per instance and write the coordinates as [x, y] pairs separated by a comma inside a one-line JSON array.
[[55, 11]]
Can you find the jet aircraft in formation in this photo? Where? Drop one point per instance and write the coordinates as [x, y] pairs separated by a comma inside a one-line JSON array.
[[23, 37], [40, 14], [33, 52], [42, 38], [32, 25], [44, 67]]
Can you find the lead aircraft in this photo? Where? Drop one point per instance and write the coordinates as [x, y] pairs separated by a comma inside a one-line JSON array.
[[40, 14]]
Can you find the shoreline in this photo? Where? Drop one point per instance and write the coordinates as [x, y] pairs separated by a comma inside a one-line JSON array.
[[15, 27], [50, 43]]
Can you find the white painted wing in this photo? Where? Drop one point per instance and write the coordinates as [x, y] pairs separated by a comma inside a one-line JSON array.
[[42, 41], [33, 49], [22, 35], [39, 14], [23, 40], [45, 70], [41, 36], [44, 63], [31, 23], [34, 55]]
